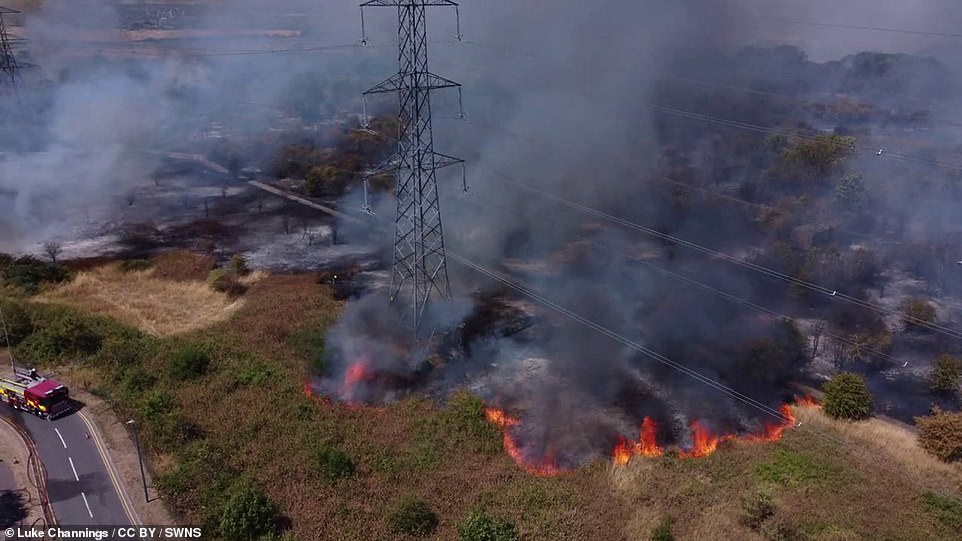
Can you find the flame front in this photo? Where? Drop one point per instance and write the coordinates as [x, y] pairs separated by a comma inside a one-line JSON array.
[[647, 444], [545, 467], [357, 373], [703, 441]]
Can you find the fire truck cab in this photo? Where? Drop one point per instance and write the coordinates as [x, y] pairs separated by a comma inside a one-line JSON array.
[[35, 394]]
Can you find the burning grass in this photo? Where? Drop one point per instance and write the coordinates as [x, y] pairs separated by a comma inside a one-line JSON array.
[[247, 416], [157, 306]]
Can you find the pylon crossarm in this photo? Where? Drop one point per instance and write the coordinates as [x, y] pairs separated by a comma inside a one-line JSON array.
[[443, 160], [395, 3]]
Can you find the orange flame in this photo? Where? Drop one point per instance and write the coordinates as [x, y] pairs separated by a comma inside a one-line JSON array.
[[623, 451], [773, 431], [807, 401], [703, 441], [546, 467], [647, 445]]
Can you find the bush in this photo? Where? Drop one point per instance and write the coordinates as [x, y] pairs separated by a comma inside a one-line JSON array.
[[28, 273], [332, 463], [65, 336], [133, 265], [187, 362], [947, 374], [847, 397], [137, 380], [413, 517], [479, 526], [158, 404], [918, 314], [247, 516], [662, 532], [18, 323], [238, 266], [941, 434], [225, 282]]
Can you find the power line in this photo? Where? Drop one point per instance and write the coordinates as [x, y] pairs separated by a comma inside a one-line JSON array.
[[696, 283], [817, 288], [887, 154], [863, 27]]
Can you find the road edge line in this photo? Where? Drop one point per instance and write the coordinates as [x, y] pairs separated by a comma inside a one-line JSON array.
[[121, 489]]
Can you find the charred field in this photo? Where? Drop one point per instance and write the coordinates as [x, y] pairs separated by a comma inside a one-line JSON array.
[[662, 258]]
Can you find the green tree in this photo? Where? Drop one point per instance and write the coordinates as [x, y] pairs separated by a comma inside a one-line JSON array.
[[847, 397], [941, 434], [413, 517], [248, 515], [326, 180], [479, 526], [918, 314], [947, 374], [850, 191]]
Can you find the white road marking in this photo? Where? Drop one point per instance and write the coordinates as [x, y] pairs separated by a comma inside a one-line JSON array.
[[89, 512], [57, 430], [75, 476]]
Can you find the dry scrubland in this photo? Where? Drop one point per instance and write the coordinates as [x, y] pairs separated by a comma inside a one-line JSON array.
[[157, 306], [246, 417]]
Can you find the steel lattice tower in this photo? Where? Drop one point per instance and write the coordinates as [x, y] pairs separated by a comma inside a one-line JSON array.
[[420, 266], [8, 63]]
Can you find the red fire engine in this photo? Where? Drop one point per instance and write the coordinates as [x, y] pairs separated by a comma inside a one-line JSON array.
[[35, 394]]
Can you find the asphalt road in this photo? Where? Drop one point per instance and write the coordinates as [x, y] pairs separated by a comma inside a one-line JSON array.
[[78, 483]]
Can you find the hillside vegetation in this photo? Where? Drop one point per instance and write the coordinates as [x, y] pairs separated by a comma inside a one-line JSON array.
[[226, 420]]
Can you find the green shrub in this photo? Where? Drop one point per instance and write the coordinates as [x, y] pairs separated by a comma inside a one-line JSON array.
[[28, 273], [847, 397], [479, 526], [225, 282], [332, 463], [158, 404], [941, 434], [67, 335], [18, 323], [413, 517], [187, 362], [134, 265], [947, 374], [248, 515], [918, 314], [137, 380], [662, 532], [238, 266], [946, 509]]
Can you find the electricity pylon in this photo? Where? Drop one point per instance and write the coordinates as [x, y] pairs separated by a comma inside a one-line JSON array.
[[420, 267], [8, 62]]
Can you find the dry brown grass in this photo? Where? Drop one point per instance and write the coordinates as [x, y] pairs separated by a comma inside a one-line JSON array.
[[181, 265], [879, 440], [157, 306]]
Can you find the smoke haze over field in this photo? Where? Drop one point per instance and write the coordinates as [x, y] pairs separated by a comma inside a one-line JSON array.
[[558, 95]]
